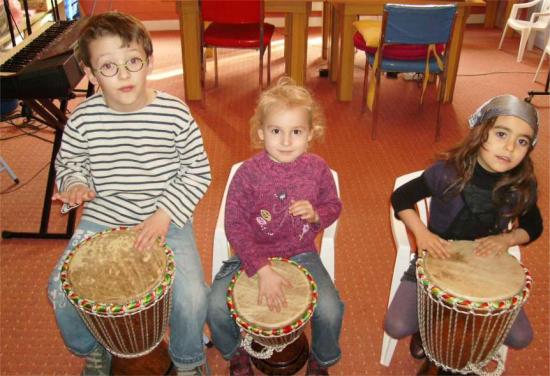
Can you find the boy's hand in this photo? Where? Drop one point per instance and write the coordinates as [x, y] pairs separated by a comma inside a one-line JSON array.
[[491, 245], [76, 195], [304, 210], [156, 226], [271, 288], [433, 244]]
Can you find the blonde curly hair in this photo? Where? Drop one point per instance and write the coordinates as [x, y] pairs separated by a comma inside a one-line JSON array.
[[287, 94]]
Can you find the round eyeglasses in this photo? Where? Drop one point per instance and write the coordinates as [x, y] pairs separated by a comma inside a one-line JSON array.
[[133, 65]]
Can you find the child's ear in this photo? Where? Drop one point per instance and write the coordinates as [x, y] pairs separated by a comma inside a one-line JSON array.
[[261, 134], [90, 75]]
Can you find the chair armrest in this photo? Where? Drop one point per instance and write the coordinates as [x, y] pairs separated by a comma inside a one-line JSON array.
[[517, 7], [538, 14]]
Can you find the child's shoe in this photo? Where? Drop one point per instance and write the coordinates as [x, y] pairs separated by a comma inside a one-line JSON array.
[[416, 349], [98, 362], [314, 369], [240, 365]]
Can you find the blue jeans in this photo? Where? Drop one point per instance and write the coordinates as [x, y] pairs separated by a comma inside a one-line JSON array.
[[326, 323], [189, 300]]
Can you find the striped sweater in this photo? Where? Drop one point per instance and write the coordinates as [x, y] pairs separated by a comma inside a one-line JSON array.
[[136, 162]]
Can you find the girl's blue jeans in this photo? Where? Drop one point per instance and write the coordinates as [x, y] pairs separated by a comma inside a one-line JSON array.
[[189, 300], [326, 323]]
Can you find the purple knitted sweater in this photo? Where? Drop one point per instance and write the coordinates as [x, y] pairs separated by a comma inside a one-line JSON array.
[[257, 222]]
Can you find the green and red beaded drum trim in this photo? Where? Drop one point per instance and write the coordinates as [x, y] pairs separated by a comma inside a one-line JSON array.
[[299, 323], [103, 309], [455, 301]]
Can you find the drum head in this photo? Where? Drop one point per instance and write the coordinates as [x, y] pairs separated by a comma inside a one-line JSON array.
[[298, 297], [476, 278], [107, 268]]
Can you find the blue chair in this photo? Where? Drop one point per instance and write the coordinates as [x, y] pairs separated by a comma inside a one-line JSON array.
[[428, 25]]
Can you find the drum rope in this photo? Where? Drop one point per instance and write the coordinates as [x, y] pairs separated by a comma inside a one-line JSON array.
[[132, 340], [268, 350]]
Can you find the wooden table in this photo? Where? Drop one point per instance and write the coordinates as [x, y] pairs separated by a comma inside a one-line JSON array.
[[296, 27], [345, 12]]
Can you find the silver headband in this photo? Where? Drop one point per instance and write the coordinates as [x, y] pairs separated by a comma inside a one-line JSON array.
[[506, 105]]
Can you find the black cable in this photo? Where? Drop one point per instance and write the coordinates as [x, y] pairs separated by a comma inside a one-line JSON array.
[[21, 185], [25, 133]]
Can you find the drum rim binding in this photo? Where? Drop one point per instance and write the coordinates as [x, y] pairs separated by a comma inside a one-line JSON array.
[[111, 309], [466, 305], [287, 329]]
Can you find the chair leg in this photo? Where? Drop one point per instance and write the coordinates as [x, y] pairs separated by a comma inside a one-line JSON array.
[[377, 76], [269, 64], [440, 95], [523, 44], [203, 66], [365, 85], [540, 65], [215, 67], [388, 348], [502, 37], [261, 69]]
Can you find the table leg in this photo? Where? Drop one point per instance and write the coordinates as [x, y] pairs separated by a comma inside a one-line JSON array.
[[190, 48]]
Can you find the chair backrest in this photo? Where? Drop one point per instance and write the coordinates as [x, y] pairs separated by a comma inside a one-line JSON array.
[[417, 24], [222, 248], [542, 21], [232, 12]]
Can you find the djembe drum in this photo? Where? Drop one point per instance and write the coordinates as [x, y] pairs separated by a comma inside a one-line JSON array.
[[275, 340], [466, 306], [123, 295]]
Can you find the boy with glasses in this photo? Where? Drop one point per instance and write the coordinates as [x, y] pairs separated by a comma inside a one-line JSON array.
[[134, 157]]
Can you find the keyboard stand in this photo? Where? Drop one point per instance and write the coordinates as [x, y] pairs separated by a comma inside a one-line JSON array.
[[54, 117]]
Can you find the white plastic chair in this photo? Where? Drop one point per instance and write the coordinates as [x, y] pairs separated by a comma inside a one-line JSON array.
[[544, 53], [222, 249], [404, 254], [539, 21]]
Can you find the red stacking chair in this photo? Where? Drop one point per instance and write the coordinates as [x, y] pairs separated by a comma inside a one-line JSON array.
[[236, 24]]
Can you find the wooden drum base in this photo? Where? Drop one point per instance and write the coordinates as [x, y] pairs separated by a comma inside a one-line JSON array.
[[429, 368], [157, 362], [287, 362]]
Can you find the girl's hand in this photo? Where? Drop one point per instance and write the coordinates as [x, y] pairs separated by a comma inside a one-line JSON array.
[[76, 195], [304, 210], [491, 245], [271, 288], [433, 244], [156, 226]]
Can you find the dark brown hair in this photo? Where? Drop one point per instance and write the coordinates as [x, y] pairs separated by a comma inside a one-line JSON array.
[[127, 27], [517, 187]]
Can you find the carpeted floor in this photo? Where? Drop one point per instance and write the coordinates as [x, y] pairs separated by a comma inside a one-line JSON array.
[[365, 254]]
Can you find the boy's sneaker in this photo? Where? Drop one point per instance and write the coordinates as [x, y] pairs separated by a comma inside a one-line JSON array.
[[98, 362], [314, 369], [201, 370], [240, 365]]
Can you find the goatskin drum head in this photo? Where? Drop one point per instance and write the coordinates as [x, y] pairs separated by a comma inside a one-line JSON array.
[[298, 297], [476, 278], [108, 269]]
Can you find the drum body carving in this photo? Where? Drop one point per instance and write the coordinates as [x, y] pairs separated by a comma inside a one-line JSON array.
[[466, 306], [272, 330], [123, 295]]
